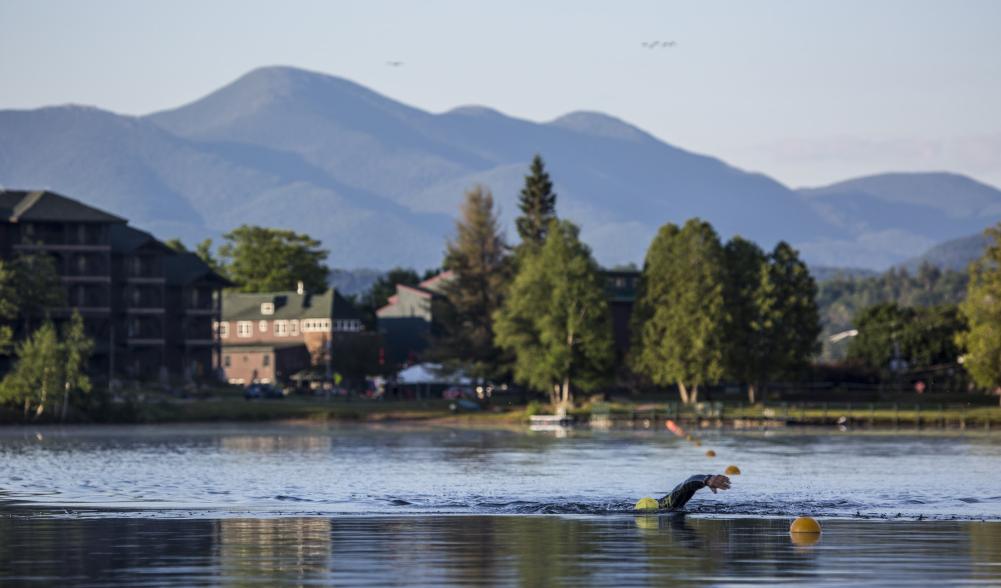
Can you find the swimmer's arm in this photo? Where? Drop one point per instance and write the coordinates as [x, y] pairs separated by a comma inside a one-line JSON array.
[[685, 490]]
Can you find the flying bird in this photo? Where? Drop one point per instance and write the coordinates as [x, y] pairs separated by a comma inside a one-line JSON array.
[[394, 63], [655, 44]]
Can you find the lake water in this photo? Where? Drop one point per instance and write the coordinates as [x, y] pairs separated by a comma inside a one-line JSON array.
[[297, 505]]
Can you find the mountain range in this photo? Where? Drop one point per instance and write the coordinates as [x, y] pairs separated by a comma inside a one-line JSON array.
[[380, 182]]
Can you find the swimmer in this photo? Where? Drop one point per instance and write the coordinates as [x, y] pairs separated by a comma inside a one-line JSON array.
[[684, 491]]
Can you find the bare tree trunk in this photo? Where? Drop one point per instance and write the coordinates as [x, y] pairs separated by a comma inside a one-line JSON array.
[[66, 398], [27, 407], [684, 392], [750, 393], [566, 390], [695, 394], [554, 395]]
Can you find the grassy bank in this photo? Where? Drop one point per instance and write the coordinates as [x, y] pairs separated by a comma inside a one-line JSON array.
[[228, 404]]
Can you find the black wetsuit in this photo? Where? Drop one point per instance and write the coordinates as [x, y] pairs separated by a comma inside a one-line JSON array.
[[683, 492]]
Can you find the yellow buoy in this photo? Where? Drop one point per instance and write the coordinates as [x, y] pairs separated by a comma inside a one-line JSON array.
[[698, 443], [805, 525], [798, 539], [647, 503], [732, 470], [688, 437], [710, 453]]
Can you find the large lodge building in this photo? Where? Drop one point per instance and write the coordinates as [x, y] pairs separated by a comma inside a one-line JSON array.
[[149, 309]]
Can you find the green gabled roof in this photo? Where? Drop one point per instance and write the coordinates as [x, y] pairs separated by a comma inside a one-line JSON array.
[[43, 205], [288, 305], [181, 269]]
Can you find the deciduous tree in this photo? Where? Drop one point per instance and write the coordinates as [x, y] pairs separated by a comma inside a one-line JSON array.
[[680, 313], [744, 263], [556, 319], [261, 259], [982, 311]]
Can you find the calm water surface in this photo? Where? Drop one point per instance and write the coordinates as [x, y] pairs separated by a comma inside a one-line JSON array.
[[269, 504]]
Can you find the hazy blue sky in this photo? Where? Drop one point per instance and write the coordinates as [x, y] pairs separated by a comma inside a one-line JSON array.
[[808, 92]]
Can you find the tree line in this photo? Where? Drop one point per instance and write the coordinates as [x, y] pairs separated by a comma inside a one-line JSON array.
[[538, 313]]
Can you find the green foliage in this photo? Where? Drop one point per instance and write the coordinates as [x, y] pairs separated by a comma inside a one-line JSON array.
[[537, 204], [982, 311], [260, 259], [176, 244], [921, 337], [478, 257], [788, 321], [679, 316], [204, 251], [29, 288], [840, 299], [556, 320], [745, 265], [76, 347], [38, 375], [49, 369]]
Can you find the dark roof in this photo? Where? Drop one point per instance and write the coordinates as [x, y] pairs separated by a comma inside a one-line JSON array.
[[42, 205], [288, 305], [126, 239], [184, 268]]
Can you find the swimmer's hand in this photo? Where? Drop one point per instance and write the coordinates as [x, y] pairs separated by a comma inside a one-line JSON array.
[[715, 483]]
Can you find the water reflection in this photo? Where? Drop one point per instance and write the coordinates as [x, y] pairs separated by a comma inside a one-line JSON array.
[[505, 550]]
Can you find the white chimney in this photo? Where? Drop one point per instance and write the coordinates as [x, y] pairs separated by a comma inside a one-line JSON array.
[[300, 288]]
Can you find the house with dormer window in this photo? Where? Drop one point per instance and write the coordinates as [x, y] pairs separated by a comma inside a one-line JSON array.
[[269, 337]]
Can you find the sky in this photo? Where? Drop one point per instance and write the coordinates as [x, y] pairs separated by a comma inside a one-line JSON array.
[[807, 92]]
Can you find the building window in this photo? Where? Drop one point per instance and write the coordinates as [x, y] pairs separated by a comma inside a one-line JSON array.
[[225, 361], [195, 298], [281, 328], [244, 328], [262, 326], [267, 360], [224, 330], [294, 327], [267, 308]]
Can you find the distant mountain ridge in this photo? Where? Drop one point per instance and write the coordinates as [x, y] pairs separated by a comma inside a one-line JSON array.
[[379, 182]]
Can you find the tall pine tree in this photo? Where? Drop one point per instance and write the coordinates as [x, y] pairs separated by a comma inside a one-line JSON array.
[[478, 256], [556, 319], [537, 204]]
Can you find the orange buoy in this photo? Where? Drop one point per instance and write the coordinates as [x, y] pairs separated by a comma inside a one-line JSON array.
[[710, 453], [805, 525], [732, 470]]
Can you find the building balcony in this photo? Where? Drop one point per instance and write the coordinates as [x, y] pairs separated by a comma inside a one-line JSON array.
[[145, 310], [144, 342]]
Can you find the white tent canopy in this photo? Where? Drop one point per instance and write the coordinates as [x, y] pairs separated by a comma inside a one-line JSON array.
[[426, 373]]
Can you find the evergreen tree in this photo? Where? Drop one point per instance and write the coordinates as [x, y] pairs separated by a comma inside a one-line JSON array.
[[556, 320], [478, 258], [788, 321], [982, 311], [679, 313], [537, 204], [744, 263], [260, 259]]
